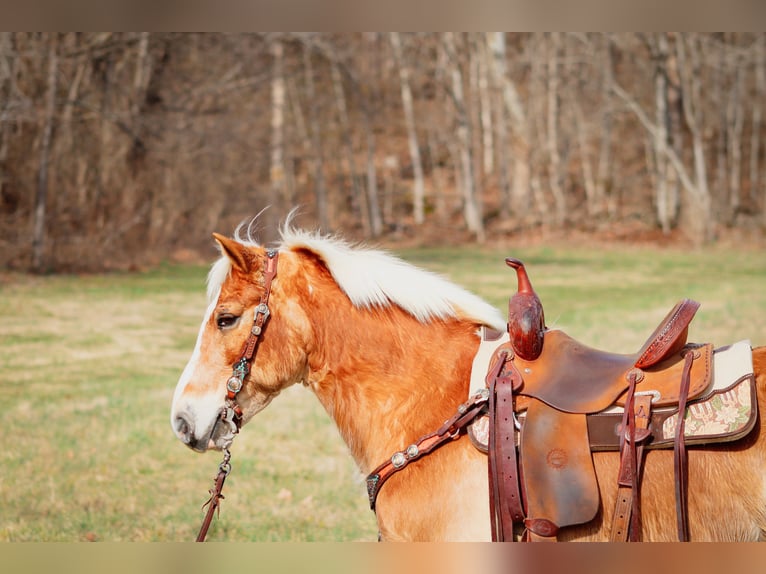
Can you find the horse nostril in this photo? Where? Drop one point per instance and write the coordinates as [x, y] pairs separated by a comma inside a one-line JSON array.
[[183, 428]]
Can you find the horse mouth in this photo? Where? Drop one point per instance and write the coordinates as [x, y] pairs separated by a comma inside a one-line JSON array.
[[223, 432]]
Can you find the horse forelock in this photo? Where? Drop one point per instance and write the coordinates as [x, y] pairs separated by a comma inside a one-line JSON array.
[[216, 276]]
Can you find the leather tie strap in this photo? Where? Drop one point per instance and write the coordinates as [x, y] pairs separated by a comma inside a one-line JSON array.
[[213, 503], [505, 490], [680, 460], [626, 521]]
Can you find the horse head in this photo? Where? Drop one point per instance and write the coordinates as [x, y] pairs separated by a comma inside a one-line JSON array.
[[238, 292]]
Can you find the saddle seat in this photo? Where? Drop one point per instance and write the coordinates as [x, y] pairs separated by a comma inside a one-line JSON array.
[[574, 378]]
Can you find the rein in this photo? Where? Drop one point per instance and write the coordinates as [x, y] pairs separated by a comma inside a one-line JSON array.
[[231, 415]]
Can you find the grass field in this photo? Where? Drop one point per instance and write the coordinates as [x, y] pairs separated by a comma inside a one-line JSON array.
[[88, 366]]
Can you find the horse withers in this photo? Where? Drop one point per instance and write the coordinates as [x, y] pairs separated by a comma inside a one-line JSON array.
[[388, 349]]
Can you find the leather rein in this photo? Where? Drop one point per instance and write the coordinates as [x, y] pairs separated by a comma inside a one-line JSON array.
[[231, 414]]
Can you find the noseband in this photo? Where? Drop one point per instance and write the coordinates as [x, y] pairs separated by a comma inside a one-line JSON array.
[[231, 415]]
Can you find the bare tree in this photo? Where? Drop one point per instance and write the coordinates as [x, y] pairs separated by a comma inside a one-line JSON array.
[[320, 188], [734, 124], [696, 185], [756, 179], [520, 187], [554, 167], [277, 171], [418, 196], [666, 197], [41, 197], [691, 80], [471, 205]]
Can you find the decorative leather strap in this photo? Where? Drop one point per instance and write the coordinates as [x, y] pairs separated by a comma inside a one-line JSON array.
[[449, 431], [680, 461], [505, 491], [262, 313], [626, 521]]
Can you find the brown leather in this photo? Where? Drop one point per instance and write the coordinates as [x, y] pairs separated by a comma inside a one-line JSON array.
[[541, 530], [680, 461], [559, 478], [626, 520], [670, 335], [450, 430], [664, 378], [575, 378], [503, 468], [213, 505], [526, 320], [572, 377]]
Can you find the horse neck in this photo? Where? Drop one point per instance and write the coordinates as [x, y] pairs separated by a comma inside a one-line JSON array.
[[385, 378]]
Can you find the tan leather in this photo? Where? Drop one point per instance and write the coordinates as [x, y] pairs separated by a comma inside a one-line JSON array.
[[626, 520], [664, 378], [559, 479], [575, 378], [505, 499], [670, 335]]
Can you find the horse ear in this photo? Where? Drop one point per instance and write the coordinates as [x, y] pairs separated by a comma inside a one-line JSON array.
[[241, 257]]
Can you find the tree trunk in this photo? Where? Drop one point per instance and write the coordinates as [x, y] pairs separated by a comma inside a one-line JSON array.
[[662, 201], [41, 196], [320, 189], [734, 124], [277, 171], [485, 100], [8, 63], [520, 186], [471, 206], [554, 167], [604, 166], [418, 191], [345, 127], [757, 122], [696, 186], [691, 75]]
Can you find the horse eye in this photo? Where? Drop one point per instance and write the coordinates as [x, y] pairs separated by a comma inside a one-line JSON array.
[[226, 321]]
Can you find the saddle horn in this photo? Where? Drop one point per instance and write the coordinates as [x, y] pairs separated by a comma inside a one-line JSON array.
[[526, 321]]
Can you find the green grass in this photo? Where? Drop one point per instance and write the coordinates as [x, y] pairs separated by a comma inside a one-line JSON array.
[[88, 366]]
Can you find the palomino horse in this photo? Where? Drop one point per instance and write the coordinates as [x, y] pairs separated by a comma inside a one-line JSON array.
[[387, 349]]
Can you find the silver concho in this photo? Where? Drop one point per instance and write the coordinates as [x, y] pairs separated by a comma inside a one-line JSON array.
[[234, 384], [398, 460]]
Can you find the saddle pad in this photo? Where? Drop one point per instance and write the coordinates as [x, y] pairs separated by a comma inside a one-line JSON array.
[[731, 403]]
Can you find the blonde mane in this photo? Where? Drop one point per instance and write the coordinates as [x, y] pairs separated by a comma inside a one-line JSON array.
[[372, 278]]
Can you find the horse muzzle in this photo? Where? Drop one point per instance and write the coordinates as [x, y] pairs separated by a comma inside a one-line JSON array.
[[217, 436]]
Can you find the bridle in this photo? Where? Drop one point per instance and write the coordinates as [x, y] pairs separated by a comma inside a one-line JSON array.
[[231, 414]]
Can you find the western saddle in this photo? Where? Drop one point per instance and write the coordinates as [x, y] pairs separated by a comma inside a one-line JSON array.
[[570, 399]]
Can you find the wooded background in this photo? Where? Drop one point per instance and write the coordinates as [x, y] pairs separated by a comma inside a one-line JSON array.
[[123, 149]]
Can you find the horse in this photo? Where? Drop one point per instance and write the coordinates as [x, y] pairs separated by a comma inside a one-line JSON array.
[[387, 349]]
